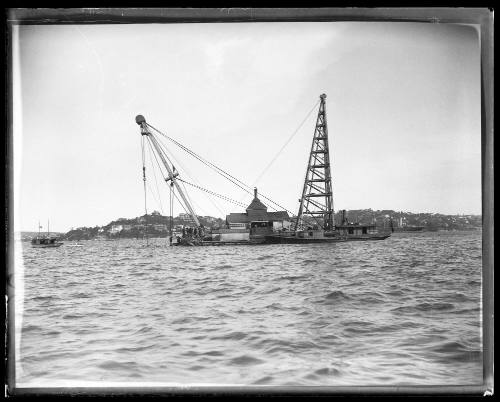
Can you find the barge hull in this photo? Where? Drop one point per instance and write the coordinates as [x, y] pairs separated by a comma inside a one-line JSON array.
[[219, 243], [305, 240], [47, 245]]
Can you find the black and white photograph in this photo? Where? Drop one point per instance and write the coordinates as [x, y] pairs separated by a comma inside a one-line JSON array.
[[247, 204]]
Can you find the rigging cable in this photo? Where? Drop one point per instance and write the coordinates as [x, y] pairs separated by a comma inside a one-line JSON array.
[[144, 180], [222, 172], [156, 181], [171, 211], [286, 143], [166, 180], [240, 204], [163, 148], [152, 193], [186, 194], [165, 154]]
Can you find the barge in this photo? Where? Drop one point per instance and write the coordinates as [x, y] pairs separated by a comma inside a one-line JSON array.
[[314, 222]]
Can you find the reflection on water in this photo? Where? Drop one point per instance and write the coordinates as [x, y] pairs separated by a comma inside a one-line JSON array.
[[405, 310]]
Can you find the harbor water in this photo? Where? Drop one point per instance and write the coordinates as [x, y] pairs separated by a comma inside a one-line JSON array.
[[402, 311]]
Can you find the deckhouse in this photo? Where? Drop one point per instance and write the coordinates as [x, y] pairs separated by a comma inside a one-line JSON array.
[[257, 220]]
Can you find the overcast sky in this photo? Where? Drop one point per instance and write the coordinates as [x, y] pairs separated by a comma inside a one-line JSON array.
[[403, 110]]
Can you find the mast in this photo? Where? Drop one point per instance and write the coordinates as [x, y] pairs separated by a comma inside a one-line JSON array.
[[317, 200], [141, 121]]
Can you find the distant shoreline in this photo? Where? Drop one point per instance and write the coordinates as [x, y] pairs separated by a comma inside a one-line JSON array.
[[18, 237], [156, 225]]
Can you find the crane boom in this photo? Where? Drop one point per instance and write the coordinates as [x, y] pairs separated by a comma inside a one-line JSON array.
[[141, 121]]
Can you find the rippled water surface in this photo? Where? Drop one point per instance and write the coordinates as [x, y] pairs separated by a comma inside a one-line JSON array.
[[405, 310]]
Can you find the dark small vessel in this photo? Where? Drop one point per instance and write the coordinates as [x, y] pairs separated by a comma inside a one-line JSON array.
[[44, 241]]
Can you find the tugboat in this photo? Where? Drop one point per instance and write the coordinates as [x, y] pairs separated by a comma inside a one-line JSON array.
[[315, 219], [44, 241]]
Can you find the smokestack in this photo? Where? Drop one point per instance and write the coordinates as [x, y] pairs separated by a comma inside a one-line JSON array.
[[255, 192]]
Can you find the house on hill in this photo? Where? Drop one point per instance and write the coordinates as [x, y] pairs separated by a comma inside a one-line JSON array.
[[116, 229]]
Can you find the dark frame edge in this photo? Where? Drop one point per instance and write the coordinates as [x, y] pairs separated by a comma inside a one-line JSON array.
[[481, 16], [258, 390], [239, 14], [10, 375], [487, 176]]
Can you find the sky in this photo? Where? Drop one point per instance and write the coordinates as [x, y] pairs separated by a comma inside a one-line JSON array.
[[403, 112]]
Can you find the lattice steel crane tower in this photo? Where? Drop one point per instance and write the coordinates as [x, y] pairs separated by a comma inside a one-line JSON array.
[[317, 198]]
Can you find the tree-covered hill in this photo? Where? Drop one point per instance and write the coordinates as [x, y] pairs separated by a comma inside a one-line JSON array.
[[157, 225]]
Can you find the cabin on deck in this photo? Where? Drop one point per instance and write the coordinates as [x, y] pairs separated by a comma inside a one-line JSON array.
[[347, 228], [356, 229], [255, 223]]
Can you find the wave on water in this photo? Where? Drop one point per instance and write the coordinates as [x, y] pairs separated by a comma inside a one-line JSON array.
[[352, 314], [423, 307], [327, 371], [81, 295], [336, 295], [235, 335], [135, 348], [44, 298], [143, 330], [293, 278], [30, 327], [73, 316], [264, 380], [224, 266], [456, 352], [270, 291], [120, 366], [245, 360], [264, 257]]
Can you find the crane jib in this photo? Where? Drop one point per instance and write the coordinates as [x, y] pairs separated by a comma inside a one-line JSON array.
[[144, 131]]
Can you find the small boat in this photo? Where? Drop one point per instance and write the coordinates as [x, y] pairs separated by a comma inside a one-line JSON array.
[[44, 241]]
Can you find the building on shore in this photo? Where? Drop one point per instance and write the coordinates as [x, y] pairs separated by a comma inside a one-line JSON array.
[[116, 229]]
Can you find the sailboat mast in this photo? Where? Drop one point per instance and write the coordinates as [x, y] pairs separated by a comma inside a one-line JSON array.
[[317, 199], [141, 121]]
